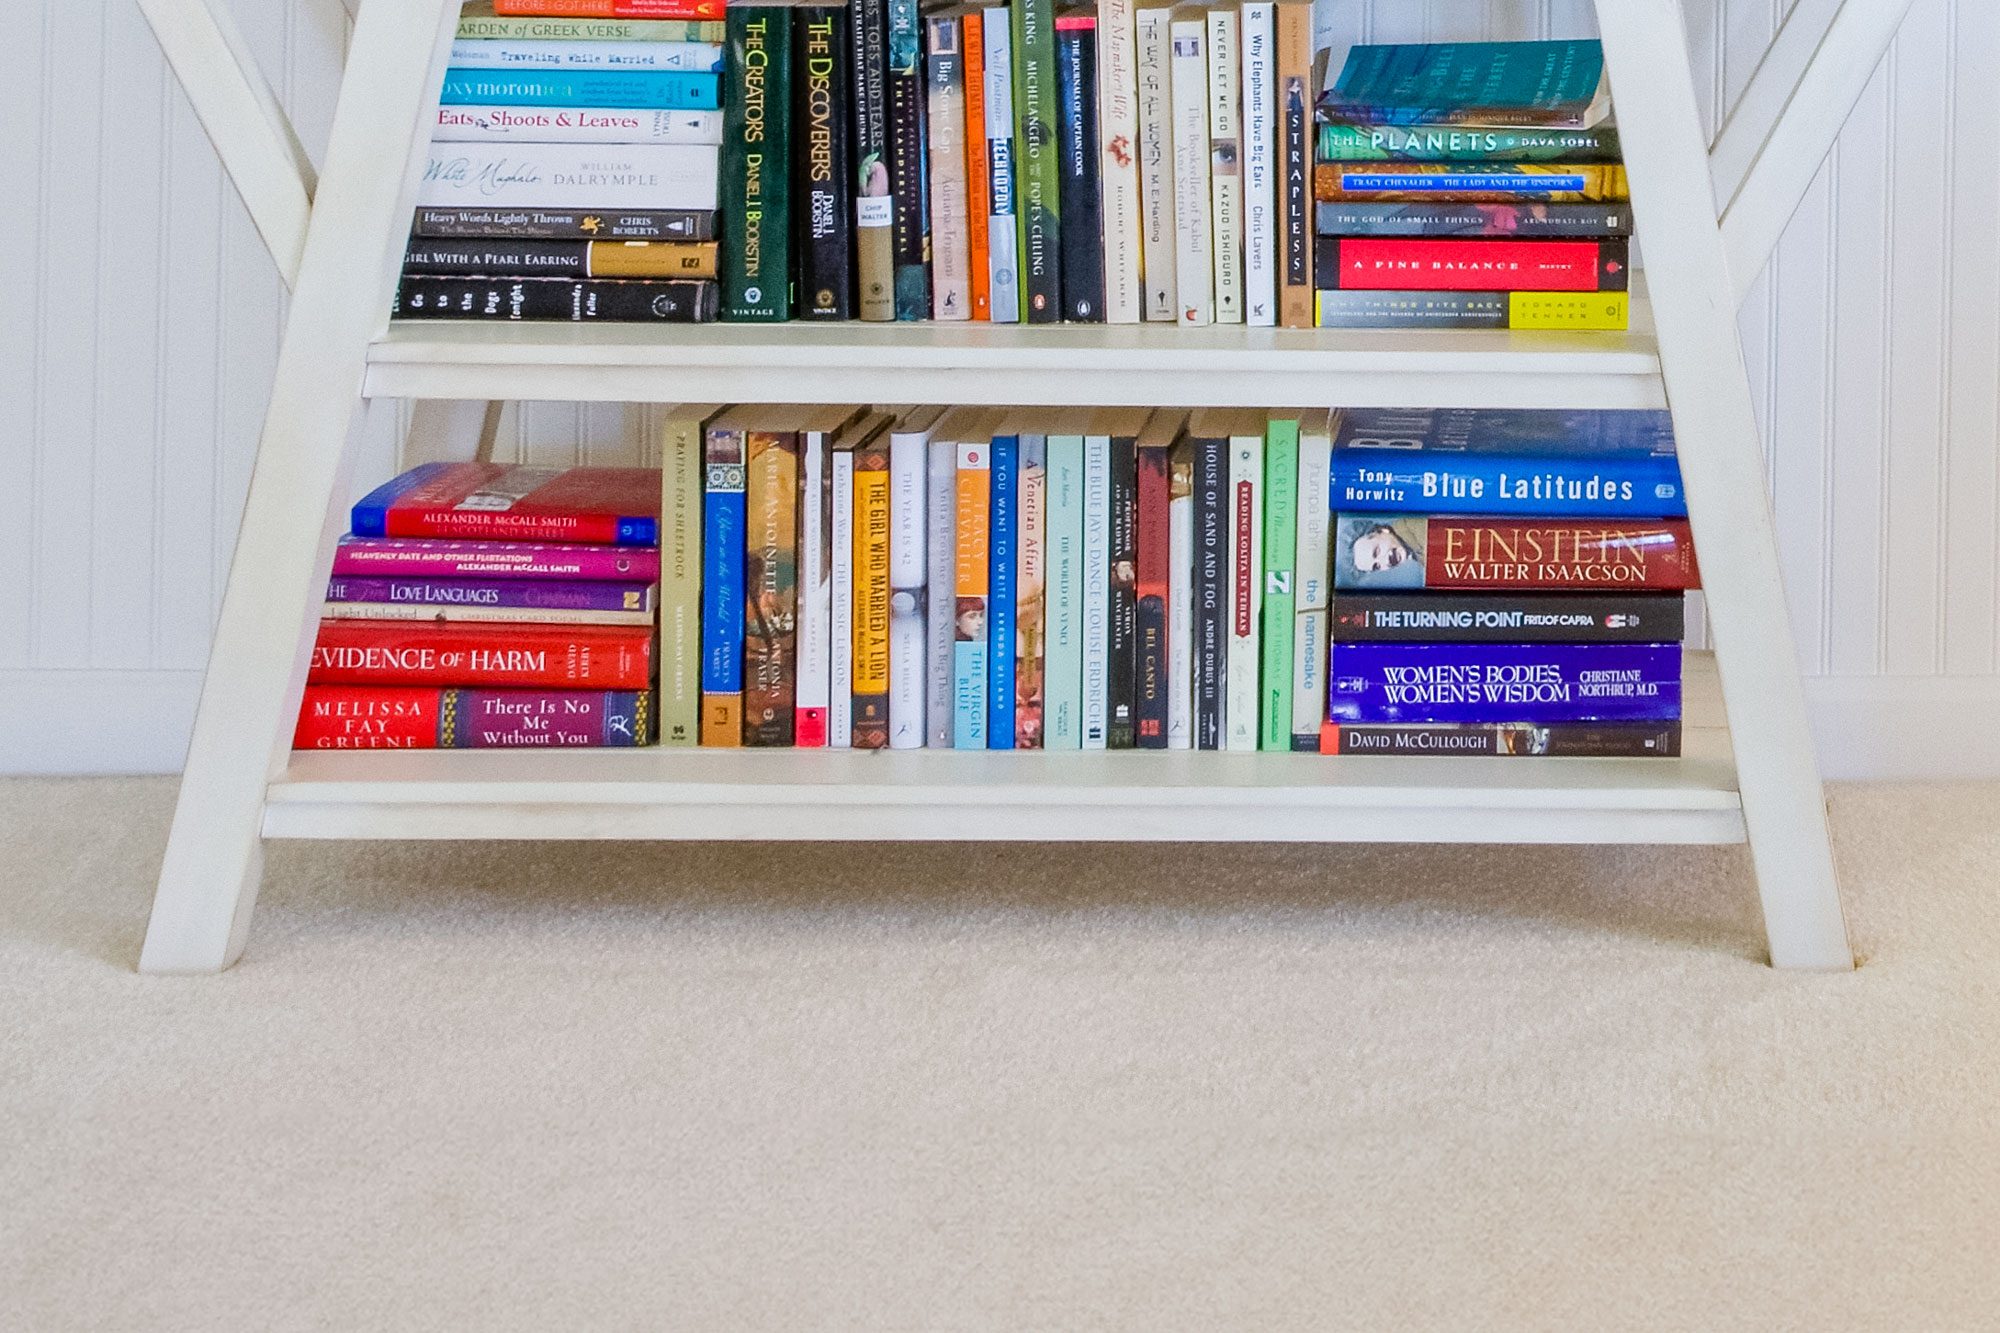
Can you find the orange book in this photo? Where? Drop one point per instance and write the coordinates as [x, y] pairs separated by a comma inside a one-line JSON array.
[[976, 181]]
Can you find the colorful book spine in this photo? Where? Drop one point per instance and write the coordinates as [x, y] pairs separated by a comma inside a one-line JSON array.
[[1180, 597], [1407, 551], [567, 224], [535, 54], [1152, 671], [771, 587], [489, 615], [428, 558], [1122, 724], [1212, 541], [1080, 201], [560, 259], [1096, 591], [909, 596], [437, 595], [874, 204], [1549, 83], [562, 124], [1261, 128], [823, 219], [872, 518], [909, 150], [1565, 740], [610, 9], [1374, 683], [978, 206], [1473, 310], [1031, 593], [1465, 143], [1278, 616], [1393, 263], [941, 598], [367, 652], [756, 166], [389, 717], [1530, 617], [840, 541], [1549, 484], [572, 300], [1037, 139], [724, 522], [1225, 147], [479, 21], [1063, 675], [815, 666], [1246, 587], [951, 245], [1155, 140], [1002, 557], [1313, 585], [972, 525], [1003, 233], [500, 501], [1514, 222], [1117, 103], [665, 90], [1416, 182], [1194, 255]]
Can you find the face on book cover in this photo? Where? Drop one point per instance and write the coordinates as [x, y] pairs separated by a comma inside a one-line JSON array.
[[1382, 558]]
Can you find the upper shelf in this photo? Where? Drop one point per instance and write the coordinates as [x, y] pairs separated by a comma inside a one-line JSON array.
[[1008, 364]]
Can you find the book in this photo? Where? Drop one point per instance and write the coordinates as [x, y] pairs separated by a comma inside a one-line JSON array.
[[1080, 203], [611, 9], [1295, 162], [1572, 740], [499, 501], [1212, 536], [1504, 682], [941, 588], [1465, 143], [1407, 551], [570, 53], [478, 20], [1155, 118], [812, 723], [1037, 153], [562, 224], [1225, 150], [756, 166], [1117, 108], [823, 174], [430, 558], [1003, 518], [1030, 591], [571, 300], [909, 576], [374, 652], [771, 587], [1262, 125], [560, 259], [411, 612], [951, 241], [1245, 573], [978, 172], [724, 521], [1522, 221], [1312, 582], [393, 717], [651, 176], [1553, 464], [909, 165], [1194, 258], [682, 430], [1557, 84], [1003, 233], [1122, 638], [840, 535], [1154, 576], [874, 204], [1420, 182], [1395, 263], [1472, 310], [1096, 682], [872, 519], [438, 597], [1534, 617], [562, 124], [1062, 687], [1278, 616], [665, 90], [972, 580]]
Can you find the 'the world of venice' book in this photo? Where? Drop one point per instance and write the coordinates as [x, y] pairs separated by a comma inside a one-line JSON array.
[[611, 506], [1558, 84]]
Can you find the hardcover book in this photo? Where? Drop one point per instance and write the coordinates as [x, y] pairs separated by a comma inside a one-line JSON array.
[[570, 300], [370, 652], [562, 176], [823, 172], [389, 717], [501, 502], [1473, 310], [1080, 191], [428, 558], [1406, 551], [562, 124], [1556, 84], [1038, 155], [1499, 221], [1571, 740], [1002, 572], [874, 204], [1538, 617], [909, 165], [665, 90], [756, 167], [771, 587], [1541, 683], [1465, 143]]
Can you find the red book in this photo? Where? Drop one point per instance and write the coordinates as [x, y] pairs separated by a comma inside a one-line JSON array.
[[611, 506], [1155, 457], [610, 9], [1449, 264], [378, 717], [1389, 551], [574, 657]]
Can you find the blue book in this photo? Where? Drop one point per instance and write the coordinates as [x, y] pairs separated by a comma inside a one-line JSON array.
[[1554, 84], [647, 89], [1547, 464], [722, 525], [1539, 683], [972, 561], [1000, 594]]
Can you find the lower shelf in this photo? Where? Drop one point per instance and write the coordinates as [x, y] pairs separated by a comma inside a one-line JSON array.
[[942, 795]]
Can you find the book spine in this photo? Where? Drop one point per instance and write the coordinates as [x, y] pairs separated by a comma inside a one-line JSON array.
[[475, 26], [1552, 183], [1096, 591], [1473, 310], [1155, 139], [908, 161], [1003, 233], [1277, 618], [972, 526], [1514, 222], [941, 602], [1571, 740], [429, 559], [1031, 593], [1295, 163], [434, 595], [978, 205], [1536, 617], [824, 219], [538, 124], [1122, 726], [756, 167], [1194, 259], [951, 242], [1261, 128], [1080, 198], [565, 259], [1246, 588], [399, 516], [840, 625], [481, 615], [1003, 520], [1313, 584], [1063, 674], [1381, 552], [586, 300], [374, 652], [871, 595], [1180, 598], [815, 667], [1548, 484], [535, 54], [664, 90], [1036, 139], [1151, 672], [563, 224], [1460, 143], [909, 596], [376, 717], [722, 546], [771, 586], [874, 204], [1117, 108], [1488, 682], [1225, 131], [610, 9], [1212, 539], [1380, 263]]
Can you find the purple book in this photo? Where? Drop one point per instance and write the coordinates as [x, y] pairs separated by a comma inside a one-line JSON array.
[[526, 594], [1504, 682], [418, 557]]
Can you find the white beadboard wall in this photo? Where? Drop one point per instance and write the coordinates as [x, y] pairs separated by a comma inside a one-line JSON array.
[[142, 318]]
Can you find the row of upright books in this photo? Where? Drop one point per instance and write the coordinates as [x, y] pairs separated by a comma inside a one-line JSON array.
[[976, 578]]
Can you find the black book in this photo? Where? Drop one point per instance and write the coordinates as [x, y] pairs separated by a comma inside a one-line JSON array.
[[635, 300], [1121, 728], [1080, 198], [1508, 617], [909, 161], [1212, 530], [822, 208], [565, 224], [874, 205]]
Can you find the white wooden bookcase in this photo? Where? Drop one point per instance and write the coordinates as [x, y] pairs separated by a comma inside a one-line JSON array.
[[1708, 221]]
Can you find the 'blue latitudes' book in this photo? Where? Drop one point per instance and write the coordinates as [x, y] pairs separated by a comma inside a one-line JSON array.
[[647, 89], [1000, 594], [1549, 464], [1554, 84], [1487, 682]]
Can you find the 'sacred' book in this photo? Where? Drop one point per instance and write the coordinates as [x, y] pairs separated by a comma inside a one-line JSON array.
[[1384, 551], [614, 506], [374, 652], [610, 9]]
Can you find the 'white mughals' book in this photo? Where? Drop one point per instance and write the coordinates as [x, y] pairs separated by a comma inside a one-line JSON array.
[[552, 175]]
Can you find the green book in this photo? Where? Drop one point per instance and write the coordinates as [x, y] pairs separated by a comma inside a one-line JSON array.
[[1038, 159], [1281, 527], [755, 195], [1465, 143]]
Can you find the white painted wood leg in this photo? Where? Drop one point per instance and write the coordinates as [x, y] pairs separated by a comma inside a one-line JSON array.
[[243, 730], [1715, 422], [448, 430]]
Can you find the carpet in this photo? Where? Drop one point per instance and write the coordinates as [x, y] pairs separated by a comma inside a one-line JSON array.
[[972, 1087]]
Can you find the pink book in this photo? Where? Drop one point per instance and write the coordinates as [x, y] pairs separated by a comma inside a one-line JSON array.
[[425, 558]]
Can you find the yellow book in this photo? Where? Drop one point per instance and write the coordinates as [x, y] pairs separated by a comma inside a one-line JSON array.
[[652, 259], [871, 594]]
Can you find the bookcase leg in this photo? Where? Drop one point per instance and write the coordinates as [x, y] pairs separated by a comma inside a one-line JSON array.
[[1715, 422], [301, 484]]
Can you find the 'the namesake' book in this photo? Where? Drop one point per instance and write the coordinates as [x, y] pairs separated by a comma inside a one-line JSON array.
[[369, 652], [1403, 551], [1553, 682], [386, 717], [613, 506], [1549, 84]]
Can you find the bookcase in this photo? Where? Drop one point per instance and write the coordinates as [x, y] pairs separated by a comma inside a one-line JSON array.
[[1707, 221]]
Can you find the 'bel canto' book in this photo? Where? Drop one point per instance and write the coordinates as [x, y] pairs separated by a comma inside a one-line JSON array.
[[611, 506]]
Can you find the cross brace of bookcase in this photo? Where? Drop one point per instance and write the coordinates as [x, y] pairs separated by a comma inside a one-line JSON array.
[[338, 240]]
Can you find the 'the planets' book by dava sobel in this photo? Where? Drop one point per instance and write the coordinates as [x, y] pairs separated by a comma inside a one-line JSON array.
[[607, 505]]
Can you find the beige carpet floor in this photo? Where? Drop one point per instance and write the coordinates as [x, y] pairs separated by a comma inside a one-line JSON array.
[[550, 1088]]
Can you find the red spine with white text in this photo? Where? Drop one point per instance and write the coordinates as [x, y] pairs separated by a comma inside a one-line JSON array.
[[369, 652], [1450, 264], [1401, 552], [389, 717]]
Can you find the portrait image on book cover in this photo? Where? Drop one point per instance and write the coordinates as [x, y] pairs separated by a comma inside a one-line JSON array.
[[1378, 551], [969, 624]]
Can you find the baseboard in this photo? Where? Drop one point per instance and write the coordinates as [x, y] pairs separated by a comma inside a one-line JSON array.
[[1885, 728]]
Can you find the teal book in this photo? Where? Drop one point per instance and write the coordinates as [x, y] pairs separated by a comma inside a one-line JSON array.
[[909, 164], [1281, 536], [1557, 85], [1062, 691], [633, 89], [1466, 143], [1038, 159], [755, 185]]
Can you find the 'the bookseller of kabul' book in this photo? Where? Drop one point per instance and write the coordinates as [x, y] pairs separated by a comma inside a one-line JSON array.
[[608, 505]]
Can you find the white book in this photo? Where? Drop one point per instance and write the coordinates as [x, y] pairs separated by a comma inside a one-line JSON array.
[[840, 709], [1246, 582], [1096, 591], [1260, 163], [569, 176], [1118, 164], [1225, 133], [571, 124], [1180, 600], [1312, 582], [941, 528], [1002, 246], [909, 563], [1194, 263], [1156, 163], [529, 53], [815, 624], [951, 256], [1062, 704]]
